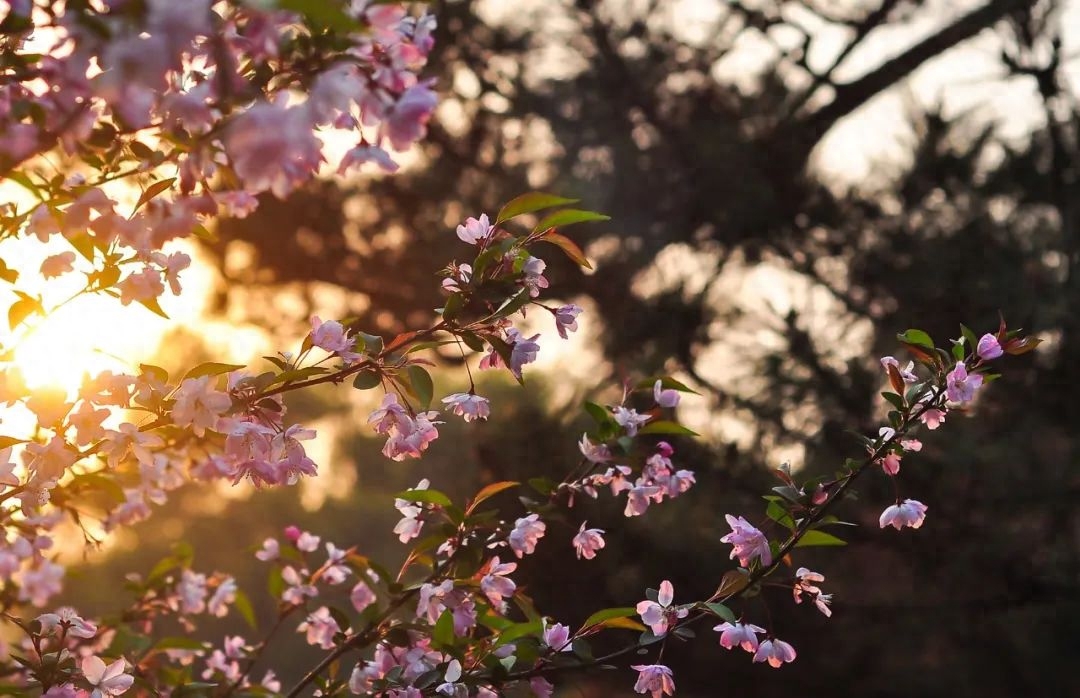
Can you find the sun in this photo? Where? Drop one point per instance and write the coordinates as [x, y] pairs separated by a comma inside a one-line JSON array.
[[89, 335]]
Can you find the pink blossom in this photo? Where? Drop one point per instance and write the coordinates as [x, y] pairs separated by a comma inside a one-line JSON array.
[[989, 348], [389, 415], [655, 679], [932, 418], [566, 319], [527, 531], [739, 634], [594, 453], [629, 419], [775, 652], [69, 621], [40, 583], [57, 264], [192, 592], [107, 681], [588, 541], [907, 513], [225, 594], [748, 542], [270, 550], [409, 527], [331, 336], [659, 614], [361, 596], [431, 602], [557, 637], [523, 350], [533, 278], [307, 542], [364, 154], [49, 462], [541, 687], [496, 584], [450, 686], [406, 121], [913, 445], [141, 286], [198, 404], [907, 373], [805, 583], [87, 423], [272, 148], [468, 406], [665, 397], [297, 588], [639, 497], [961, 386], [321, 628], [891, 463], [475, 230]]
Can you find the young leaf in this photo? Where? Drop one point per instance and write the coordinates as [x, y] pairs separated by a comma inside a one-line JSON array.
[[211, 368], [566, 217], [422, 387], [366, 380], [818, 538], [426, 496], [530, 203], [443, 634], [489, 492], [664, 426], [153, 190], [569, 247], [917, 338], [608, 614]]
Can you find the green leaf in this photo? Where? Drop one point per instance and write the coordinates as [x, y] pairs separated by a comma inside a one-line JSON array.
[[372, 343], [569, 248], [242, 604], [667, 383], [721, 611], [894, 400], [443, 634], [520, 630], [731, 583], [511, 305], [211, 368], [530, 203], [321, 13], [153, 190], [663, 426], [600, 415], [472, 340], [568, 216], [818, 538], [780, 515], [422, 387], [425, 496], [609, 614], [917, 337], [366, 380], [969, 336], [490, 491]]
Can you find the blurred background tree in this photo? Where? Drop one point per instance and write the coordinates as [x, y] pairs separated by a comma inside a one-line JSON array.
[[790, 184]]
